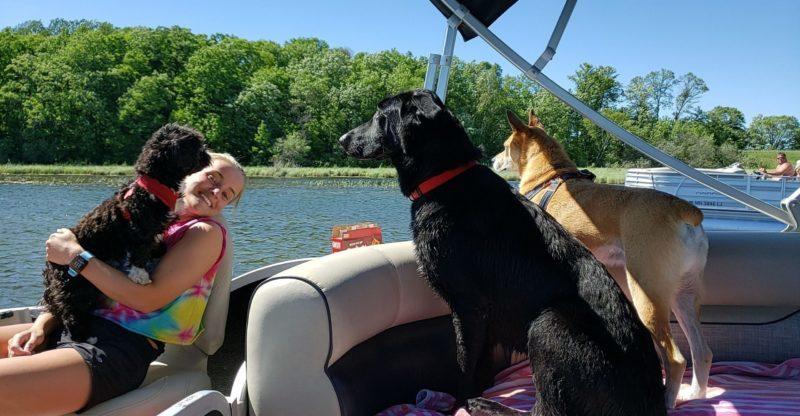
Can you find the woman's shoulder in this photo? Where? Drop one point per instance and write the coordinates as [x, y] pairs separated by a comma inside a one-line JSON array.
[[206, 226], [202, 229]]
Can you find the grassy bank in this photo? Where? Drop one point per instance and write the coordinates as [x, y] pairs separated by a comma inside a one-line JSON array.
[[752, 159], [43, 173]]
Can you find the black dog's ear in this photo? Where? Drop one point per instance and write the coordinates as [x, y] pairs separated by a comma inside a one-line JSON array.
[[386, 103], [427, 102], [515, 122]]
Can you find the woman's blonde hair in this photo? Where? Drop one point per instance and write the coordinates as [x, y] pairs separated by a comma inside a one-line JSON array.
[[232, 160]]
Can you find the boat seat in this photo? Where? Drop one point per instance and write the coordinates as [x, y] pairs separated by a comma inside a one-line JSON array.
[[181, 369], [358, 331], [314, 335]]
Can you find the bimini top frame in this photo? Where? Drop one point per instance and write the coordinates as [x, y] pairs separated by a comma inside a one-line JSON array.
[[460, 18]]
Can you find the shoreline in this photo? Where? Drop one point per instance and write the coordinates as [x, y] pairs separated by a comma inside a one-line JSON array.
[[47, 173]]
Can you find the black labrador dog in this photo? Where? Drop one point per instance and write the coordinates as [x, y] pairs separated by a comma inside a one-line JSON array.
[[510, 273]]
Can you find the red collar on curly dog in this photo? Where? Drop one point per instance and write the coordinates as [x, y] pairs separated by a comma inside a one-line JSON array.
[[438, 180], [164, 193]]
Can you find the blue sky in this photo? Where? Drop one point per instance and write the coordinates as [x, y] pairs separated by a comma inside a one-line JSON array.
[[747, 52]]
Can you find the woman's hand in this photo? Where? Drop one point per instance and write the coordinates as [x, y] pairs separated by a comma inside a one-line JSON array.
[[25, 342], [62, 246]]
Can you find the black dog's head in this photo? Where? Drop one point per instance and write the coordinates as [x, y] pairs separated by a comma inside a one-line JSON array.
[[172, 153], [417, 133]]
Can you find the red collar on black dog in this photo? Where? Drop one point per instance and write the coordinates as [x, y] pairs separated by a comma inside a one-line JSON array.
[[435, 181], [164, 193]]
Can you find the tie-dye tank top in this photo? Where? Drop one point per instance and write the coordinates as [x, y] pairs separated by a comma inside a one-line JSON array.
[[179, 322]]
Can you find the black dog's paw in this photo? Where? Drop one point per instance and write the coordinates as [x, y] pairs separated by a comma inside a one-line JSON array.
[[485, 407]]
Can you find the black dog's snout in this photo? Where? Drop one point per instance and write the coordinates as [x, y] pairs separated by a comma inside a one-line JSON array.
[[345, 140]]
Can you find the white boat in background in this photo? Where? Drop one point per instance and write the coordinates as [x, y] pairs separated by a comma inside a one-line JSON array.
[[721, 212]]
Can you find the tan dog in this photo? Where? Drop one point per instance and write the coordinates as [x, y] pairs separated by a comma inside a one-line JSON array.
[[651, 242]]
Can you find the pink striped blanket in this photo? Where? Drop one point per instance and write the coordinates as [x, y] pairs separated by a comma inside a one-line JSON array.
[[734, 389]]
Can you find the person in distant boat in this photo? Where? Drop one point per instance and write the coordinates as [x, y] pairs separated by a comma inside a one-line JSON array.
[[784, 168], [47, 372]]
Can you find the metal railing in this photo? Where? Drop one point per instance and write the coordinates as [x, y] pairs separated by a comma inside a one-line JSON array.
[[534, 73]]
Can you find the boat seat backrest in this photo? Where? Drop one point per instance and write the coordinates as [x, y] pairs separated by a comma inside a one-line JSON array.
[[216, 313], [302, 320]]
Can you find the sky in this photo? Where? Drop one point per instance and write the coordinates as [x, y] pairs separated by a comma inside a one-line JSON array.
[[748, 52]]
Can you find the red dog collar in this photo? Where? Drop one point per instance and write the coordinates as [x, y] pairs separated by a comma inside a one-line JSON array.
[[438, 180], [164, 193]]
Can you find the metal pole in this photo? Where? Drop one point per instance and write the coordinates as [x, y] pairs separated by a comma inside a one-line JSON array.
[[555, 38], [639, 144], [430, 76], [447, 57]]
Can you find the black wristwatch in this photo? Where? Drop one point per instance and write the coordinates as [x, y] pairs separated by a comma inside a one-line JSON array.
[[80, 261]]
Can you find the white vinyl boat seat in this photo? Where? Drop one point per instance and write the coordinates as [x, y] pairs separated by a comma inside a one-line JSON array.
[[180, 370], [329, 329], [358, 331]]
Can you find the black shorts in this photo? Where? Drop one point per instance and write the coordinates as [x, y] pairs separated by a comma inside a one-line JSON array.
[[118, 359]]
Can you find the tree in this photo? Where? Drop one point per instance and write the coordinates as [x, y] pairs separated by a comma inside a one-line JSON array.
[[208, 90], [692, 144], [262, 145], [649, 95], [773, 132], [599, 89], [691, 88], [261, 113], [638, 93], [145, 106], [662, 83], [726, 125], [597, 86], [290, 150], [317, 104]]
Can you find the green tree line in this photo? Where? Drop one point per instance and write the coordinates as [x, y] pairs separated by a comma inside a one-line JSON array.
[[87, 92]]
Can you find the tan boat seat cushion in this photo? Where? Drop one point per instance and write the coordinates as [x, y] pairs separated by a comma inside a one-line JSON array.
[[302, 320]]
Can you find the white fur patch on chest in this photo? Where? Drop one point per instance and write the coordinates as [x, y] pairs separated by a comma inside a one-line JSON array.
[[139, 276], [611, 255]]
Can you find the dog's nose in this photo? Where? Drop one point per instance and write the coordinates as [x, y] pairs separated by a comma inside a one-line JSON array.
[[345, 140]]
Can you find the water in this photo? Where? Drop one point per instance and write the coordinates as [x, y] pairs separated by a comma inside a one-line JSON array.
[[278, 219]]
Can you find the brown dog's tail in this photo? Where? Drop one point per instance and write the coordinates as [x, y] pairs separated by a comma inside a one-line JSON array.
[[688, 212]]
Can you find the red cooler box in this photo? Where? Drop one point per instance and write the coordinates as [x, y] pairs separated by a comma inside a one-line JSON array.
[[355, 235]]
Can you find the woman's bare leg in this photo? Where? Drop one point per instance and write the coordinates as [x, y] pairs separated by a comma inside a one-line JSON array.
[[52, 382], [8, 331]]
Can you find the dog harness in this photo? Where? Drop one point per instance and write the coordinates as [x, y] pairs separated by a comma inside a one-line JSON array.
[[179, 322], [552, 185], [164, 193], [437, 180]]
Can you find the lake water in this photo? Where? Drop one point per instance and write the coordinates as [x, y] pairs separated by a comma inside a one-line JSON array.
[[278, 219]]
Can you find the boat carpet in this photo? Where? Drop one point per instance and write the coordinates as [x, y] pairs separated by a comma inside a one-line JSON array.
[[734, 389]]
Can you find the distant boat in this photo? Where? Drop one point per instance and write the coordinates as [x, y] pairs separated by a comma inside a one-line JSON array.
[[721, 212]]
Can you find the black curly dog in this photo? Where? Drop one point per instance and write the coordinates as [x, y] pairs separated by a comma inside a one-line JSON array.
[[510, 273], [124, 229]]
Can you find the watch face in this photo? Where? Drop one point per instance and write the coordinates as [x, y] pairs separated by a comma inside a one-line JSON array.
[[78, 263]]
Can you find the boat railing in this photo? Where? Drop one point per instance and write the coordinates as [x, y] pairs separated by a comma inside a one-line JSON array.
[[459, 15], [769, 190]]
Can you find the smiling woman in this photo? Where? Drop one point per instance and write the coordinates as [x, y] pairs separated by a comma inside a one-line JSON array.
[[221, 183], [129, 330]]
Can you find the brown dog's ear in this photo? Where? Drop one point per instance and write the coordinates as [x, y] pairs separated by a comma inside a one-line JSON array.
[[514, 121], [533, 121]]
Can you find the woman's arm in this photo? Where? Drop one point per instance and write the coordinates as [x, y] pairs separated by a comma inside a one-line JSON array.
[[182, 267], [25, 342]]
